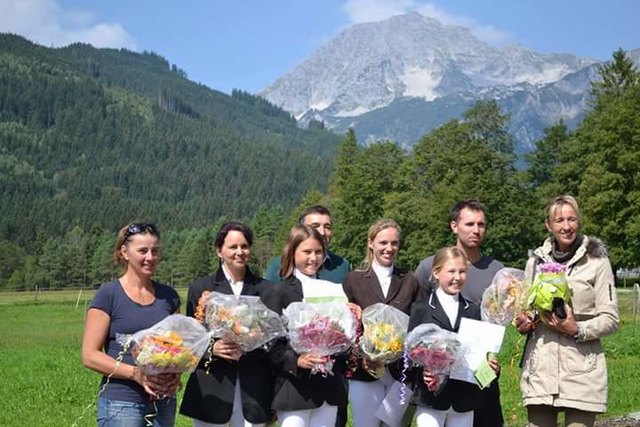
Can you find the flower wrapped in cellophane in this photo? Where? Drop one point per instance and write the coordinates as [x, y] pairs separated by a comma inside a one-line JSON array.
[[434, 349], [244, 320], [550, 290], [384, 331], [173, 345], [323, 329], [505, 297]]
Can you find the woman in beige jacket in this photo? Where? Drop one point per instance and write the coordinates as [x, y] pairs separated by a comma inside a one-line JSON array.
[[564, 366]]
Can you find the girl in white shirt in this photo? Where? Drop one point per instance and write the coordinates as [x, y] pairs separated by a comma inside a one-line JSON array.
[[453, 403]]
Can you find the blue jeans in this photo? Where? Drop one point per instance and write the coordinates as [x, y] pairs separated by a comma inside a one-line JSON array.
[[118, 413]]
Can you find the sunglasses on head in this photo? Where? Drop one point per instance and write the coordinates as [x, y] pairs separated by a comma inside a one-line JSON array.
[[139, 227]]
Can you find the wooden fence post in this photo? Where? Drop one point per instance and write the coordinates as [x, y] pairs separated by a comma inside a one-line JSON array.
[[636, 295], [79, 295]]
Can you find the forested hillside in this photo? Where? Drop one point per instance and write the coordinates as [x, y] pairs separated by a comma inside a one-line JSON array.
[[96, 137]]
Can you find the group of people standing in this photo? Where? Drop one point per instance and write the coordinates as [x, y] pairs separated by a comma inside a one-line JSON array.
[[564, 367]]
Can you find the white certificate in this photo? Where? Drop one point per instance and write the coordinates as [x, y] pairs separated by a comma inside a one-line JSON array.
[[477, 339], [316, 290]]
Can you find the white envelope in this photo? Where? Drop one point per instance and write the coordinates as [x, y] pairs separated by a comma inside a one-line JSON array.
[[316, 290], [477, 339], [391, 411]]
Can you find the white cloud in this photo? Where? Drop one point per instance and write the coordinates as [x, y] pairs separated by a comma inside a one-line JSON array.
[[359, 11], [45, 22]]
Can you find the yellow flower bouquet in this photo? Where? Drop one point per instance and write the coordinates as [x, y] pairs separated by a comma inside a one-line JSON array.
[[384, 330]]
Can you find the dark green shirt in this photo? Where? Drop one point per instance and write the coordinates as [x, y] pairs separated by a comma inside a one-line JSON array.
[[334, 269]]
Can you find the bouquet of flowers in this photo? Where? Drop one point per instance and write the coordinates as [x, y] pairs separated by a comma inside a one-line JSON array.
[[321, 328], [173, 345], [505, 297], [384, 330], [433, 348], [549, 291], [244, 320]]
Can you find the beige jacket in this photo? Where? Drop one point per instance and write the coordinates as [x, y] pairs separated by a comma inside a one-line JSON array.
[[558, 370]]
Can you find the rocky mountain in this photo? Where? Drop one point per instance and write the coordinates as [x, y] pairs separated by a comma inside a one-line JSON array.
[[400, 78]]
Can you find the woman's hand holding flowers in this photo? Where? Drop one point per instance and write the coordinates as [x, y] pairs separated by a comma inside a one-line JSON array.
[[524, 323], [157, 386], [226, 350], [309, 360], [375, 369], [356, 310], [430, 380]]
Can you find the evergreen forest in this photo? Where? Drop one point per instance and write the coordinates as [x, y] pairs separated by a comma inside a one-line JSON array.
[[91, 139]]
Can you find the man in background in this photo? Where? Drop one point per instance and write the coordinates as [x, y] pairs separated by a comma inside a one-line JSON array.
[[335, 267], [469, 225]]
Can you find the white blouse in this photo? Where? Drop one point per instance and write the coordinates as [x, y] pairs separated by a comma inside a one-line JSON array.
[[449, 303], [384, 276], [236, 287]]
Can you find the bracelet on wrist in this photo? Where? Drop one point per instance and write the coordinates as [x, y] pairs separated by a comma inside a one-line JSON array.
[[579, 335]]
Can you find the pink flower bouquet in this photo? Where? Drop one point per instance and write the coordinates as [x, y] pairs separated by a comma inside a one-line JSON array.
[[434, 349], [550, 290], [323, 329], [243, 319]]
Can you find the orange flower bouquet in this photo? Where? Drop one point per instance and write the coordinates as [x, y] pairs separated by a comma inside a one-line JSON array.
[[173, 345], [243, 319]]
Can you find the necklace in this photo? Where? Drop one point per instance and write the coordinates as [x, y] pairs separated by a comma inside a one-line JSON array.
[[142, 295]]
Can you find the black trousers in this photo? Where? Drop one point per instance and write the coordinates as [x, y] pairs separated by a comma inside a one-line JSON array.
[[489, 412], [341, 417]]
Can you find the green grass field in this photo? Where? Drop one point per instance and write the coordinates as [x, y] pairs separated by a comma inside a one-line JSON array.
[[46, 385]]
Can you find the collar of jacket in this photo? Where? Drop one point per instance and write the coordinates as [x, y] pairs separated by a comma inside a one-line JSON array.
[[295, 284], [432, 295], [396, 272], [590, 246], [329, 260], [394, 285], [219, 279]]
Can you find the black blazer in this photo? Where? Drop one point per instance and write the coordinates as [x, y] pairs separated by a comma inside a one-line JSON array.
[[209, 396], [460, 395], [296, 388], [363, 288]]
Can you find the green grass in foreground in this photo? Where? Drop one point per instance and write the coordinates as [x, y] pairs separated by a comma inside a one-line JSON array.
[[46, 385]]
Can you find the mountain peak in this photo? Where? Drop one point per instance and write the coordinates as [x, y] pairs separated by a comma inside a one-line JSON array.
[[369, 65]]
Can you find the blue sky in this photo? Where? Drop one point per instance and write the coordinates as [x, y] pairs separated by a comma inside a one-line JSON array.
[[247, 44]]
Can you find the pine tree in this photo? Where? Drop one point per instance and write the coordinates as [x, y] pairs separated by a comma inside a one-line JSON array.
[[617, 76], [600, 164]]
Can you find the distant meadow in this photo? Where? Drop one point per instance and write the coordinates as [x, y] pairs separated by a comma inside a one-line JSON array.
[[45, 383]]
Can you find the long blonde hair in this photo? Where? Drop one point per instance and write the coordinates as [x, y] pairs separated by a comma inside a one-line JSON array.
[[377, 227]]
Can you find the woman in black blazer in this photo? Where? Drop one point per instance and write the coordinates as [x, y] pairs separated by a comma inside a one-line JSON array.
[[234, 389], [454, 402], [300, 398], [380, 282]]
